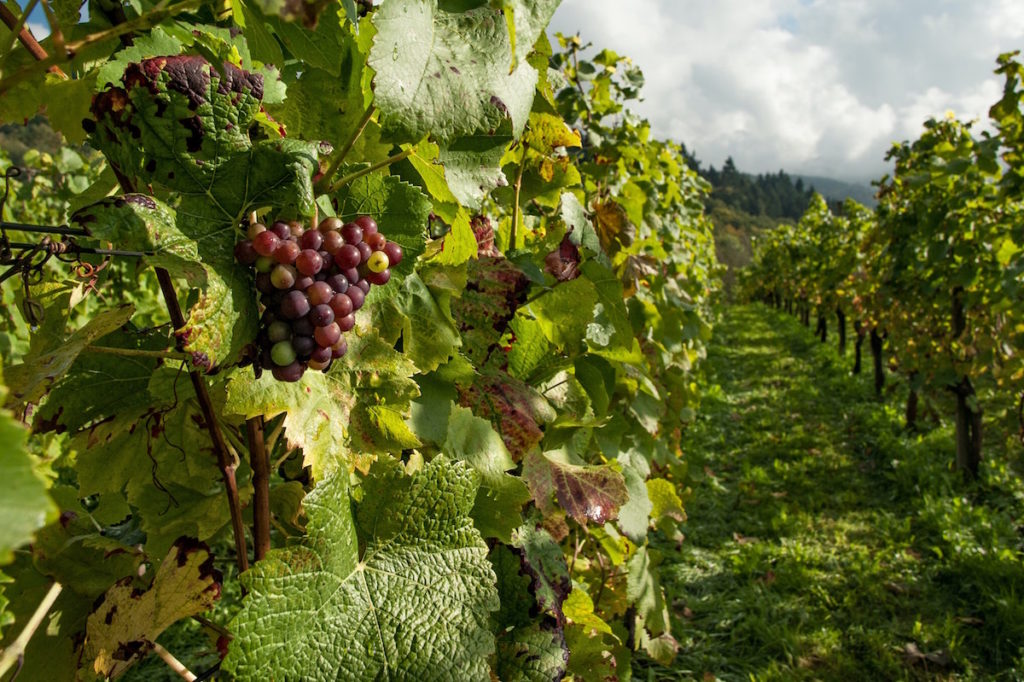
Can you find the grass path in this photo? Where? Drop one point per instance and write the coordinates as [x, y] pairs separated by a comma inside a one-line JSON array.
[[823, 542]]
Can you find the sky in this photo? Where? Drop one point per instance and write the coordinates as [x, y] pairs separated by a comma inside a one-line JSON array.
[[814, 87]]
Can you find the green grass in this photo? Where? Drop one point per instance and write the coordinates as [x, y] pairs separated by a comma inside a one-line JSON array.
[[824, 541]]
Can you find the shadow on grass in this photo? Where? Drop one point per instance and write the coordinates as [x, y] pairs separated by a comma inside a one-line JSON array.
[[826, 543]]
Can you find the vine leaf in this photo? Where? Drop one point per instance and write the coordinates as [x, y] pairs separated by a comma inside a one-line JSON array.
[[124, 626], [588, 493], [413, 603], [501, 496], [530, 647], [514, 408], [494, 290], [33, 378], [447, 73], [25, 506], [343, 417], [180, 124]]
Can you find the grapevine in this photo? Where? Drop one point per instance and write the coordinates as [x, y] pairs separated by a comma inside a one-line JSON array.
[[438, 356]]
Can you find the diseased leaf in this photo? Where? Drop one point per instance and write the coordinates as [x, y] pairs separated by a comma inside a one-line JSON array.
[[542, 559], [495, 288], [124, 626], [589, 493], [513, 408], [413, 603]]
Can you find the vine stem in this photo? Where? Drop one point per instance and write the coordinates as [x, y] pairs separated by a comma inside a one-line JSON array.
[[25, 36], [261, 487], [227, 467], [338, 156], [136, 353], [173, 663], [14, 654], [148, 20], [366, 171], [515, 201]]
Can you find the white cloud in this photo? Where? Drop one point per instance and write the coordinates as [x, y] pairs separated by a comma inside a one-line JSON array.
[[812, 86]]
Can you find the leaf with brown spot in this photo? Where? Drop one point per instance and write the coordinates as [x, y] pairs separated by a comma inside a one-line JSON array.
[[126, 623], [587, 493]]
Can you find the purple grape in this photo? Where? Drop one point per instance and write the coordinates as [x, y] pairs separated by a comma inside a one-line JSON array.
[[364, 251], [357, 296], [244, 253], [394, 253], [338, 282], [378, 278], [303, 345], [368, 224], [364, 285], [348, 257], [292, 372], [303, 327], [281, 229], [321, 315], [312, 239], [263, 282], [320, 354], [351, 233], [294, 305]]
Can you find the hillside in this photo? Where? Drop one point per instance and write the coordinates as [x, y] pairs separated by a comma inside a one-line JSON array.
[[835, 191]]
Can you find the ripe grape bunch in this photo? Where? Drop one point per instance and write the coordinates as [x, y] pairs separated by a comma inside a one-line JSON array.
[[311, 283]]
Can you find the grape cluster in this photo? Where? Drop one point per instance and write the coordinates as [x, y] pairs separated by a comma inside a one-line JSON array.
[[311, 283]]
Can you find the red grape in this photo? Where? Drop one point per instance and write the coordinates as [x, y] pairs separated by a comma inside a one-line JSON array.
[[286, 251], [368, 224], [319, 292], [394, 253], [352, 233], [364, 251], [348, 257], [375, 241], [265, 243], [321, 354], [327, 336], [341, 305], [331, 224], [309, 262], [333, 241], [378, 278], [346, 323], [339, 349], [283, 276]]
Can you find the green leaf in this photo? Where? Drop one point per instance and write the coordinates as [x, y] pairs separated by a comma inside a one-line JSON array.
[[472, 165], [565, 312], [588, 493], [429, 337], [446, 73], [495, 288], [34, 377], [635, 515], [413, 603], [223, 319], [357, 407], [25, 507], [643, 589], [501, 496], [157, 41], [125, 624], [534, 653], [401, 211]]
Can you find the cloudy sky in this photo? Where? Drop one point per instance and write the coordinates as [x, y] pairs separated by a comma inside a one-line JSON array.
[[817, 87]]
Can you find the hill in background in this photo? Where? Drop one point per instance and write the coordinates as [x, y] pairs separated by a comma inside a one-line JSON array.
[[743, 205]]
